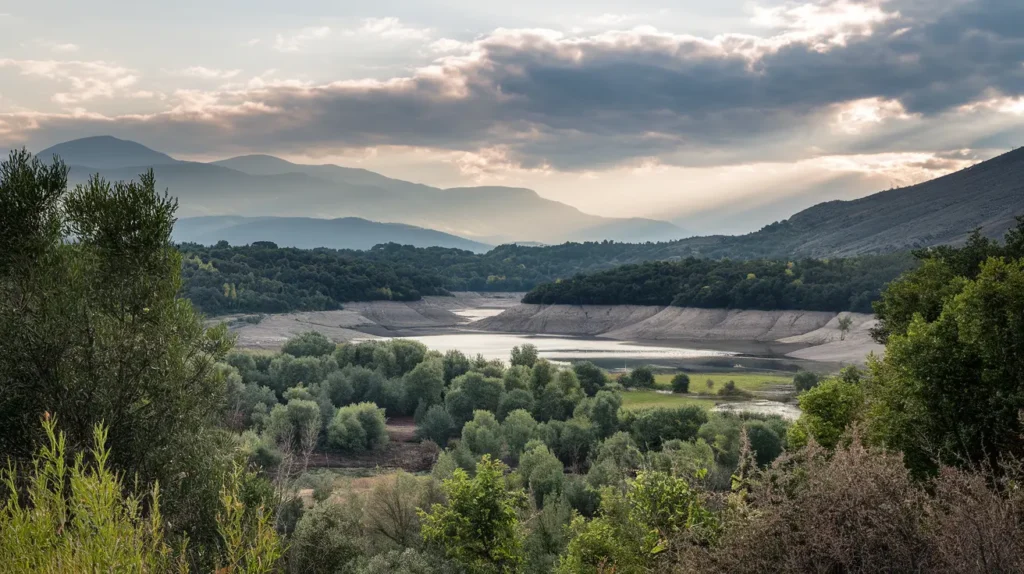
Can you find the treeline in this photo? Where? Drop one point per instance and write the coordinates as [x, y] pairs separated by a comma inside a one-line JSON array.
[[264, 278], [809, 284]]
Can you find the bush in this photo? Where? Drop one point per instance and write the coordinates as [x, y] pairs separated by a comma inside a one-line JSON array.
[[482, 435], [514, 400], [358, 427], [436, 425], [650, 427], [603, 411], [764, 441], [681, 383], [326, 539], [592, 378], [517, 429], [640, 377], [309, 344], [805, 381]]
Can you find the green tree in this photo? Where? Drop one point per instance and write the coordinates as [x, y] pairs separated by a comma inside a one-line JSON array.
[[309, 344], [827, 411], [542, 472], [592, 378], [93, 331], [455, 365], [845, 322], [436, 425], [805, 381], [424, 384], [603, 411], [951, 390], [482, 435], [478, 526], [517, 429], [681, 383], [358, 427], [514, 400], [524, 355], [764, 441], [641, 377]]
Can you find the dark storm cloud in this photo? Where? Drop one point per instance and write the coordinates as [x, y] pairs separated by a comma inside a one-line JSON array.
[[579, 103]]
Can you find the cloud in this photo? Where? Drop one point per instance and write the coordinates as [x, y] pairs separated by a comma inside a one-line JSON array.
[[64, 48], [251, 42], [83, 80], [392, 29], [301, 39], [206, 73], [826, 79]]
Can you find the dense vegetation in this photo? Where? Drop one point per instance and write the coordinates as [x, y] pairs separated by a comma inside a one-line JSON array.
[[136, 441], [264, 278], [810, 284]]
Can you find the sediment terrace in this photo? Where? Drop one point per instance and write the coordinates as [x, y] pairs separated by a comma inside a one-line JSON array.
[[817, 329]]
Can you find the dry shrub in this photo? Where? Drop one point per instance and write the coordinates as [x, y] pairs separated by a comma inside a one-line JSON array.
[[858, 510]]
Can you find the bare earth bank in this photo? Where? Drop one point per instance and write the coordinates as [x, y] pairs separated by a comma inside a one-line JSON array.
[[807, 335]]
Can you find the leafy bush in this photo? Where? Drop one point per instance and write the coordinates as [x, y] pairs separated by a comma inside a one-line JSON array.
[[436, 425], [309, 344], [358, 427], [681, 383]]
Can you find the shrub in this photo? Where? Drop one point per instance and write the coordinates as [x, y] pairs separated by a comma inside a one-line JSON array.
[[326, 539], [805, 381], [436, 425], [592, 378], [517, 429], [513, 400], [681, 383], [482, 435], [640, 377], [358, 427], [309, 344]]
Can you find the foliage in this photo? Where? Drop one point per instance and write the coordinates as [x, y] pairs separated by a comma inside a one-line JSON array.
[[517, 429], [602, 410], [325, 539], [805, 381], [436, 425], [651, 427], [827, 411], [641, 377], [542, 472], [810, 284], [478, 526], [681, 383], [309, 344], [93, 332], [358, 427], [524, 355], [951, 389], [516, 399], [483, 435], [592, 378]]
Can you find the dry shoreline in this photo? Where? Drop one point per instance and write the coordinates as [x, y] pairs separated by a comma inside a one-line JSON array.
[[804, 335]]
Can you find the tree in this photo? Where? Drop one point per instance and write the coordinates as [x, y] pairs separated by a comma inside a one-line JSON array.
[[424, 384], [478, 526], [592, 378], [309, 344], [805, 381], [436, 425], [827, 411], [455, 365], [650, 427], [950, 389], [325, 539], [764, 441], [482, 435], [514, 400], [681, 383], [517, 429], [358, 427], [483, 393], [603, 411], [93, 331], [542, 472], [845, 322], [641, 377], [524, 355]]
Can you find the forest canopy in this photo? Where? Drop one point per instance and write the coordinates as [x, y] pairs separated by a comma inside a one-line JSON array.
[[264, 278]]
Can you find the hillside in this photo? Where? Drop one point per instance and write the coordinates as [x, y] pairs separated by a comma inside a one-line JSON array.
[[262, 186], [309, 233], [941, 211]]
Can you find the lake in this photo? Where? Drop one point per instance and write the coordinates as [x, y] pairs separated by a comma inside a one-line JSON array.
[[606, 352]]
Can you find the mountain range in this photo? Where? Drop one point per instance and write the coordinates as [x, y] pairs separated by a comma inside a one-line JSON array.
[[260, 197], [264, 186]]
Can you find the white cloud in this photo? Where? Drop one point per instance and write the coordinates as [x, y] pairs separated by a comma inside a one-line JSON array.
[[87, 79], [392, 29], [206, 73], [300, 40], [251, 42], [64, 48], [824, 24]]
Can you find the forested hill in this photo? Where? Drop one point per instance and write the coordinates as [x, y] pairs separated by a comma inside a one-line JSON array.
[[265, 278], [808, 284]]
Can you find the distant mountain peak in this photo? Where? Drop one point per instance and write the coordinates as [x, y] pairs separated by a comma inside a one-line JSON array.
[[106, 152]]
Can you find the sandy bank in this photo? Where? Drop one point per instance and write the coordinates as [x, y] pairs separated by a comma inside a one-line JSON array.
[[362, 319], [818, 330]]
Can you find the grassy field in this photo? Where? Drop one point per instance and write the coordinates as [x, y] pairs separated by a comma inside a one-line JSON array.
[[700, 394], [652, 399], [744, 381]]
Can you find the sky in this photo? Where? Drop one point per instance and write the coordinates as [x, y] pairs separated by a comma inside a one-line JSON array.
[[718, 115]]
